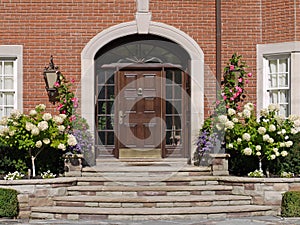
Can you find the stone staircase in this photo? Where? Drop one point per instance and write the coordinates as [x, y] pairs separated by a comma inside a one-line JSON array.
[[140, 190]]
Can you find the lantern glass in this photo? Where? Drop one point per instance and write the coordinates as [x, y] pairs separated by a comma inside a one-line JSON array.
[[51, 78]]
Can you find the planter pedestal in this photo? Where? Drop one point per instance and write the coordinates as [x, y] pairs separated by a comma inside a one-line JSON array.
[[73, 165], [219, 164]]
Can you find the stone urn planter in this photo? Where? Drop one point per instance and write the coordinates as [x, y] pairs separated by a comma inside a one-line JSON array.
[[73, 164]]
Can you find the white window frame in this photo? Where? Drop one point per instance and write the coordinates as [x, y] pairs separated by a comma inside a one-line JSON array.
[[267, 50], [15, 53], [266, 60]]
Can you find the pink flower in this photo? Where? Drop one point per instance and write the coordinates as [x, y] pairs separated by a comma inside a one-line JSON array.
[[230, 90], [72, 118], [60, 106], [56, 84], [238, 107], [231, 67], [224, 97], [73, 81], [232, 99], [249, 74], [218, 102], [247, 81], [64, 112], [240, 80]]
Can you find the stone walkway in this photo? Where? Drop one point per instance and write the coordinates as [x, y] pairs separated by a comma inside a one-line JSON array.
[[268, 220]]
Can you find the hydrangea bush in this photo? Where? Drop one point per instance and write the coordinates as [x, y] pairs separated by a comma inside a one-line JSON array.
[[266, 136], [36, 131]]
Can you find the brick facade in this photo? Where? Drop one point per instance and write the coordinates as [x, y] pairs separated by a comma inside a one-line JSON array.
[[64, 27]]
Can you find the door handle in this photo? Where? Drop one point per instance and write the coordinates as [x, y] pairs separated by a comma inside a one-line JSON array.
[[121, 117]]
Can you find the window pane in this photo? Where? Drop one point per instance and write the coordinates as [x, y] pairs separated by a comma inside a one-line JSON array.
[[273, 66], [9, 99], [283, 80], [0, 67], [9, 83], [273, 80], [8, 68], [283, 110], [273, 97], [8, 110], [283, 65], [284, 97]]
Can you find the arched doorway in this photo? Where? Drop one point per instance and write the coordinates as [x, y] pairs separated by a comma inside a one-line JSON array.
[[195, 68], [143, 98]]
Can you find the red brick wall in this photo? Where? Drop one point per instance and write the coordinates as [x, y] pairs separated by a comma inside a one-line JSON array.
[[63, 28]]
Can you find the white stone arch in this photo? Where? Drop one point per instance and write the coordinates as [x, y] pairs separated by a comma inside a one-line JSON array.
[[196, 68]]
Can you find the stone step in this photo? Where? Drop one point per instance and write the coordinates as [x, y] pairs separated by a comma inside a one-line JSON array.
[[184, 190], [163, 178], [151, 201], [59, 212]]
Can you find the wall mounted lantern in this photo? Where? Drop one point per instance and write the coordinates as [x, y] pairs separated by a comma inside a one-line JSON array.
[[51, 77]]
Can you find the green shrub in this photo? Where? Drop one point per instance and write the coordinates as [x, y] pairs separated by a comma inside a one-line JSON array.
[[9, 205], [290, 205]]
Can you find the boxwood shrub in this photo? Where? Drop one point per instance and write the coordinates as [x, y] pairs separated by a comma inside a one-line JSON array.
[[9, 205], [290, 205]]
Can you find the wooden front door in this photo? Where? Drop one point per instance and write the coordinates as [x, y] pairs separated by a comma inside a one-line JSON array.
[[138, 115]]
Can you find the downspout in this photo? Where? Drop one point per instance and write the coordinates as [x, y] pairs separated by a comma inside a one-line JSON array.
[[218, 46]]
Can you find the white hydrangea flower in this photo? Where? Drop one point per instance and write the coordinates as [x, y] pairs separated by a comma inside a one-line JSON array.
[[11, 133], [239, 140], [277, 154], [231, 112], [271, 140], [29, 126], [258, 147], [15, 114], [258, 153], [61, 128], [72, 140], [289, 144], [247, 151], [41, 107], [294, 131], [43, 125], [275, 149], [284, 153], [246, 113], [3, 121], [61, 146], [282, 144], [264, 112], [33, 112], [63, 116], [274, 107], [235, 120], [58, 119], [266, 137], [261, 130], [38, 144], [273, 157], [47, 116], [272, 128], [249, 106], [35, 131], [246, 137], [229, 125], [46, 141], [230, 145], [280, 119], [223, 119], [297, 123]]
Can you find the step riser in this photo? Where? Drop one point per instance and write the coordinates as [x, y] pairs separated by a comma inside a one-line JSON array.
[[149, 204], [76, 216], [148, 193], [143, 174]]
